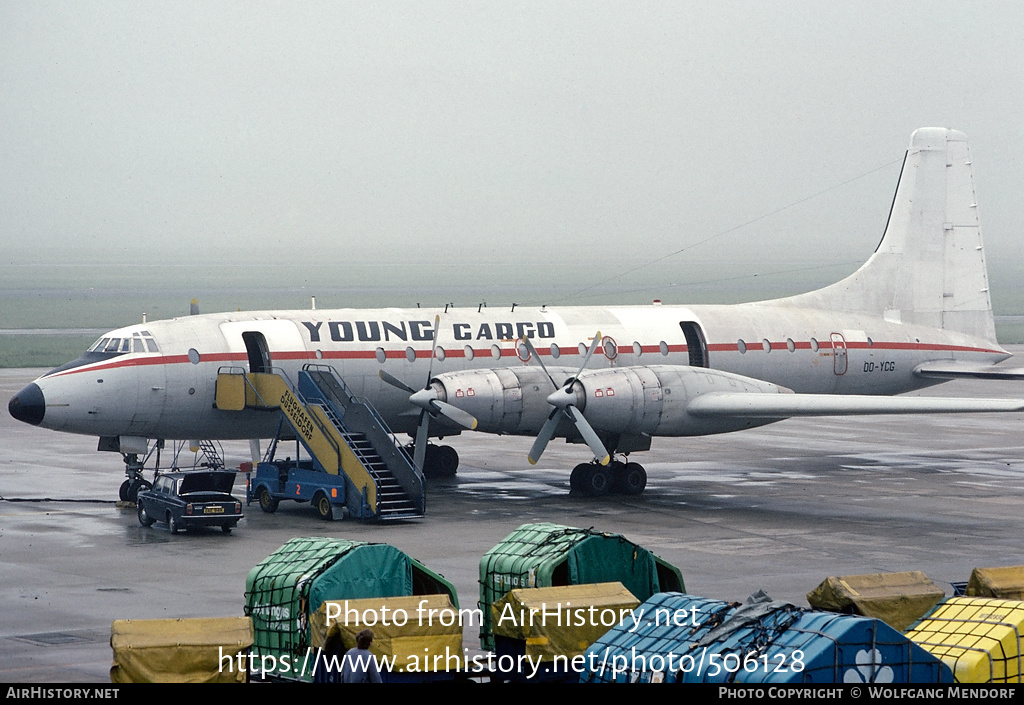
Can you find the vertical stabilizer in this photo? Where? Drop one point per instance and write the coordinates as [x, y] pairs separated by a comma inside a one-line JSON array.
[[929, 269]]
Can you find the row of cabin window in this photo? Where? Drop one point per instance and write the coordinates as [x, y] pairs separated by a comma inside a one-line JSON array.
[[609, 348], [790, 345]]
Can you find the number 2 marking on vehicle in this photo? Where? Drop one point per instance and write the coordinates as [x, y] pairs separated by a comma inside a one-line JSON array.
[[298, 489]]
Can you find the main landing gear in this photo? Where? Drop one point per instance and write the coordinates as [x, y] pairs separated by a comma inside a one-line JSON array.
[[618, 477]]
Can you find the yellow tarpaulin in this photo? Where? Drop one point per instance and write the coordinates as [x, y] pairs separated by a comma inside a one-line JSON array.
[[180, 650], [978, 638], [562, 620], [898, 599], [1005, 583], [422, 632]]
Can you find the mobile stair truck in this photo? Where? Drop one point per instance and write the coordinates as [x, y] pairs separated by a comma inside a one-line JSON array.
[[356, 465]]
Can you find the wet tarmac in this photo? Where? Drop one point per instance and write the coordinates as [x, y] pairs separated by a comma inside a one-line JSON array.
[[777, 508]]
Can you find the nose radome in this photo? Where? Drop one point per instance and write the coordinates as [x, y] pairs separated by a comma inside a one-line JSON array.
[[28, 405]]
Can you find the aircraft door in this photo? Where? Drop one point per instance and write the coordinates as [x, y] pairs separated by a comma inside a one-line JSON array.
[[258, 350], [262, 344], [696, 344], [839, 357]]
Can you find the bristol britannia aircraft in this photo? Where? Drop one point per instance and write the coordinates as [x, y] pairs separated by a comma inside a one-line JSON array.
[[915, 314]]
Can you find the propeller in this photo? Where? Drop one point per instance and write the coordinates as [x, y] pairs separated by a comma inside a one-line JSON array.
[[427, 400], [562, 399]]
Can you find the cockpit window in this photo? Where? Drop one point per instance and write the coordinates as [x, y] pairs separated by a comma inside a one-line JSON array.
[[141, 341]]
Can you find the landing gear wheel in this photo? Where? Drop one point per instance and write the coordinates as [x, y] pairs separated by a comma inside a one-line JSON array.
[[633, 479], [576, 479], [591, 480], [446, 461], [268, 502], [123, 492], [440, 461], [144, 518], [323, 506], [172, 524]]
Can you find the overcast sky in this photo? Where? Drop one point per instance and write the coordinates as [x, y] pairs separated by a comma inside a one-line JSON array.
[[546, 139]]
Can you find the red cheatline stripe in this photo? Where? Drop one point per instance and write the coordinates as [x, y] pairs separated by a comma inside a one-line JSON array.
[[484, 353]]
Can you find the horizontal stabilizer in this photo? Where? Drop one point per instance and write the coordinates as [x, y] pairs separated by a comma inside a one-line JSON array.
[[748, 405], [965, 370]]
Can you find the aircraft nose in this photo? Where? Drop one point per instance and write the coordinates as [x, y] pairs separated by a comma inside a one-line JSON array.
[[28, 405]]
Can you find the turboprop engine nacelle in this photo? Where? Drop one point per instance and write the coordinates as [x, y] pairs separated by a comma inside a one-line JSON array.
[[504, 400], [653, 400], [648, 400]]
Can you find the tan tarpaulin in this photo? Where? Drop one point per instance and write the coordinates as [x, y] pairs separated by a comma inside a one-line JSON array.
[[1005, 583], [898, 599], [422, 632], [179, 650], [562, 620]]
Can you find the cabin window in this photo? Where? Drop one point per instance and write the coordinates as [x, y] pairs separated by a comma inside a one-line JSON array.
[[380, 355], [193, 356], [663, 346], [741, 346], [814, 344], [495, 352], [638, 349], [555, 351], [439, 353], [582, 347], [469, 352], [767, 346], [610, 349], [790, 345], [410, 354]]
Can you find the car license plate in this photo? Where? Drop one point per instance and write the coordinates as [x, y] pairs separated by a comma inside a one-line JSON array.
[[213, 510]]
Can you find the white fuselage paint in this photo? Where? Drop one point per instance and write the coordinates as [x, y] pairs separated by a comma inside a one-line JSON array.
[[165, 395]]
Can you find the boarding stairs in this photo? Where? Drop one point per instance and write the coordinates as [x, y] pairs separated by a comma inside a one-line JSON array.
[[343, 434]]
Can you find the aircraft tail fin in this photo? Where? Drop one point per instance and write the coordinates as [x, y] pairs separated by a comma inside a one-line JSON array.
[[929, 269]]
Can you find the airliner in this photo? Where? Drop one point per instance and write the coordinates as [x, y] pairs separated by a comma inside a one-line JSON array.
[[917, 313]]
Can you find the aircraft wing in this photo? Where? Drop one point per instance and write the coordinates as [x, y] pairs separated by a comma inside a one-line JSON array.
[[719, 404], [954, 370]]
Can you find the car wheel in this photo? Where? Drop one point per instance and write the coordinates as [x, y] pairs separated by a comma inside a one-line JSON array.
[[268, 502], [226, 528], [172, 524], [144, 518], [323, 506]]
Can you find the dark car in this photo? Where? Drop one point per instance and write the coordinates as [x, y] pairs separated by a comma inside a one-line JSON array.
[[189, 499]]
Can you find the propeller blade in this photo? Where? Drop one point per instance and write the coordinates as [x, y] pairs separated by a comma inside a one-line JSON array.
[[433, 350], [546, 432], [462, 418], [420, 452], [395, 382], [600, 453], [590, 352], [533, 352]]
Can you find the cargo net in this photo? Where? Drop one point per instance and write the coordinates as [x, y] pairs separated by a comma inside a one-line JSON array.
[[657, 637], [513, 564], [969, 634], [278, 597]]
